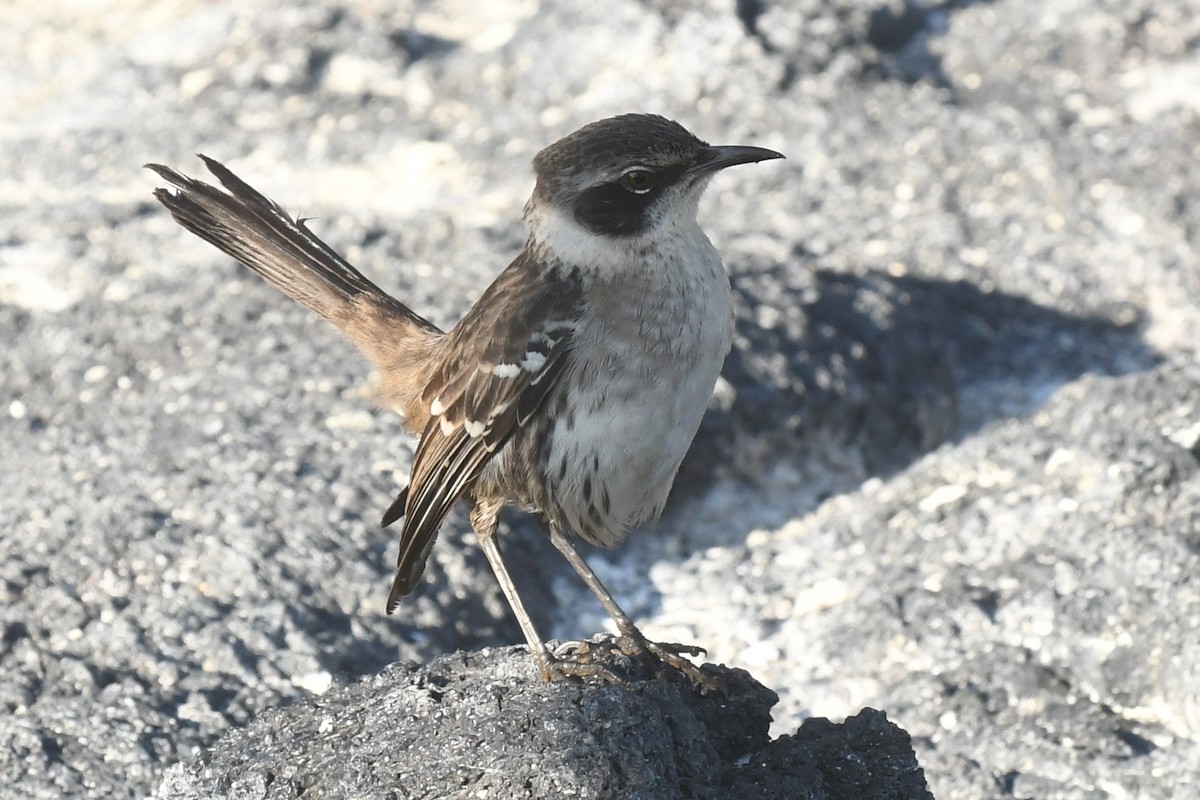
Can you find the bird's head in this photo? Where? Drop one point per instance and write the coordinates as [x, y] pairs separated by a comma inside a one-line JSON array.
[[629, 176]]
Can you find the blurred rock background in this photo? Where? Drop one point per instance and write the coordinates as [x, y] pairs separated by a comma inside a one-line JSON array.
[[952, 470]]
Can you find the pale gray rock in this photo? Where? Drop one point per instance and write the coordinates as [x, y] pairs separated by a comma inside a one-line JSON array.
[[950, 473]]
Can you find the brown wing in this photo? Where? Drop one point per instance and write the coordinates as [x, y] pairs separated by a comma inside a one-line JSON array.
[[498, 365]]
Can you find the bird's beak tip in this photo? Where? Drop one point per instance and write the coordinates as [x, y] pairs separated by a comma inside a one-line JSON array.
[[715, 157]]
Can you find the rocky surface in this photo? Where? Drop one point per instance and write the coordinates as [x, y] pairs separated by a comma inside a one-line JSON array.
[[480, 724], [952, 472]]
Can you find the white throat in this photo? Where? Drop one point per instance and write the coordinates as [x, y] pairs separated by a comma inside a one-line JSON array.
[[559, 232]]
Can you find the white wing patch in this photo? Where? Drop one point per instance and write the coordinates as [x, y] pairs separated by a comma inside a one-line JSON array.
[[506, 370], [533, 361], [454, 412]]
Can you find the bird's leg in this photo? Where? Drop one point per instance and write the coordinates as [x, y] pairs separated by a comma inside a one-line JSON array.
[[484, 521], [632, 642]]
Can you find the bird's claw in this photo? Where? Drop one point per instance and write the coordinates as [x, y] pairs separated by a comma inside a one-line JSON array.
[[575, 662], [581, 658]]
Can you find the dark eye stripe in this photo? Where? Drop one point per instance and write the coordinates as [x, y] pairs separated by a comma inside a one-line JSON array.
[[613, 209]]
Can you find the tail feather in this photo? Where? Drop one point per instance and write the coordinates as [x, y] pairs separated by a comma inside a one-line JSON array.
[[255, 230]]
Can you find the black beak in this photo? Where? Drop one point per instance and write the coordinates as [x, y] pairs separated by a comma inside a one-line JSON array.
[[714, 157]]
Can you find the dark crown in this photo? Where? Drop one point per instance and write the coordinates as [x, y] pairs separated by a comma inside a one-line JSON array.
[[610, 144]]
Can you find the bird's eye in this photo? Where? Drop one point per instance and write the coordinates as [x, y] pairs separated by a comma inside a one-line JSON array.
[[638, 181]]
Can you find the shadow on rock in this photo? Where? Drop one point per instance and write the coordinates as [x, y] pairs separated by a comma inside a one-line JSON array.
[[878, 364]]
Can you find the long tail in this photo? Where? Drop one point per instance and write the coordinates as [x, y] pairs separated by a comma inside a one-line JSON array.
[[256, 231]]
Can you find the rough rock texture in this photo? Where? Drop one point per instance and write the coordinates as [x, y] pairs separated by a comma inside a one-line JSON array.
[[1024, 602], [951, 472], [480, 725]]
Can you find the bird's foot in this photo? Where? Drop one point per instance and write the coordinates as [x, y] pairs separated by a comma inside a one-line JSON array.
[[672, 654], [565, 663], [632, 645]]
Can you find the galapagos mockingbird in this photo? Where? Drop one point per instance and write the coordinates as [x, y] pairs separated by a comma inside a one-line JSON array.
[[572, 389]]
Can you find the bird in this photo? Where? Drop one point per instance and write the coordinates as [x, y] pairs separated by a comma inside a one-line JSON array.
[[571, 389]]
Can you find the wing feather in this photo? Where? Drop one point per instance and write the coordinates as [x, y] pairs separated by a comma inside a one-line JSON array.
[[499, 364]]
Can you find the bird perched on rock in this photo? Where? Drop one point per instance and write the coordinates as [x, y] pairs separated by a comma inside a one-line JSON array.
[[572, 389]]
